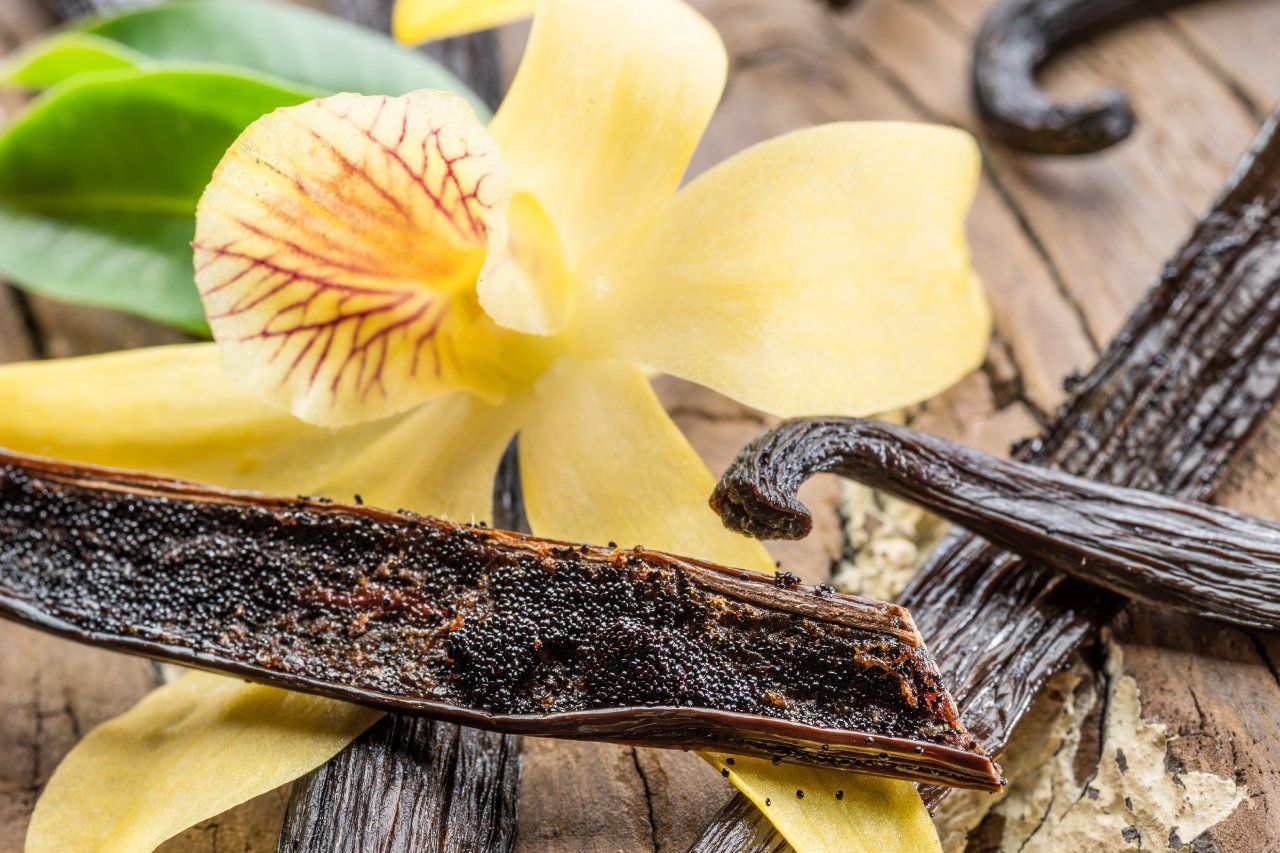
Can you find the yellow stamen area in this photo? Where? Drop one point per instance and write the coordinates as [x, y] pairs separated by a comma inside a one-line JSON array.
[[528, 288]]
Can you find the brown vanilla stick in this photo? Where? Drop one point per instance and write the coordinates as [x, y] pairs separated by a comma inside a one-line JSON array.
[[1017, 38], [474, 626], [426, 785], [1193, 557], [1175, 398]]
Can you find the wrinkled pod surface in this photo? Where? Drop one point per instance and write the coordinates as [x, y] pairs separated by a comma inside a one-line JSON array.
[[1164, 551]]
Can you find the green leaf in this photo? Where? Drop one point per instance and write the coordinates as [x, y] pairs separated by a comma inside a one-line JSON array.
[[99, 181], [285, 42], [65, 55]]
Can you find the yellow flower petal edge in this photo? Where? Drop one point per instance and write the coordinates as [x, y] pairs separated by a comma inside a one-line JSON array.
[[416, 21], [338, 248], [606, 109], [871, 814], [602, 461], [823, 272], [166, 410], [187, 752]]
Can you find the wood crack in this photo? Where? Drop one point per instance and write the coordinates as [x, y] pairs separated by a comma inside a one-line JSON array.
[[648, 798], [702, 413], [1270, 664], [27, 318], [1214, 69], [940, 13], [790, 56], [1041, 249], [37, 740], [1007, 391]]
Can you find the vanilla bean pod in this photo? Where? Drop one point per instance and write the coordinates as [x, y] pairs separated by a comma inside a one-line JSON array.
[[1193, 557], [1020, 36], [475, 626], [1175, 398]]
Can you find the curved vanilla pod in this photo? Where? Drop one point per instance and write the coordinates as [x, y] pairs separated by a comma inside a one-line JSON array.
[[1020, 36], [480, 627], [1194, 557]]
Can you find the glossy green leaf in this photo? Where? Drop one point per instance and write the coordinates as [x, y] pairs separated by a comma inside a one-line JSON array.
[[99, 181], [286, 42]]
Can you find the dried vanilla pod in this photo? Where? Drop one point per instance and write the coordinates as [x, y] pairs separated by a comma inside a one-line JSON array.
[[481, 627], [1192, 557], [1177, 396], [1020, 36]]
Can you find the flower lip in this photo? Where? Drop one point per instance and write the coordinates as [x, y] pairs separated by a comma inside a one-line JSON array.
[[338, 248]]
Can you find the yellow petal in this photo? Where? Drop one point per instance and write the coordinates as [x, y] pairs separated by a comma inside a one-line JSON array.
[[416, 21], [338, 249], [440, 460], [602, 461], [606, 109], [871, 815], [823, 272], [167, 410], [187, 752]]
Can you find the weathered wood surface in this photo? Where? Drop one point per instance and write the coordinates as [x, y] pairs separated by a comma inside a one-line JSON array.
[[1065, 247]]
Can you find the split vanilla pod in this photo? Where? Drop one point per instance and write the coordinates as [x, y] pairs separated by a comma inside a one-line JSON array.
[[481, 627]]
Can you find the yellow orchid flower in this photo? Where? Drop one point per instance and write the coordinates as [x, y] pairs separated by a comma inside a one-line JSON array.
[[396, 291]]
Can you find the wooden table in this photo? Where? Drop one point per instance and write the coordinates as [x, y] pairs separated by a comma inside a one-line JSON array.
[[1066, 248]]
